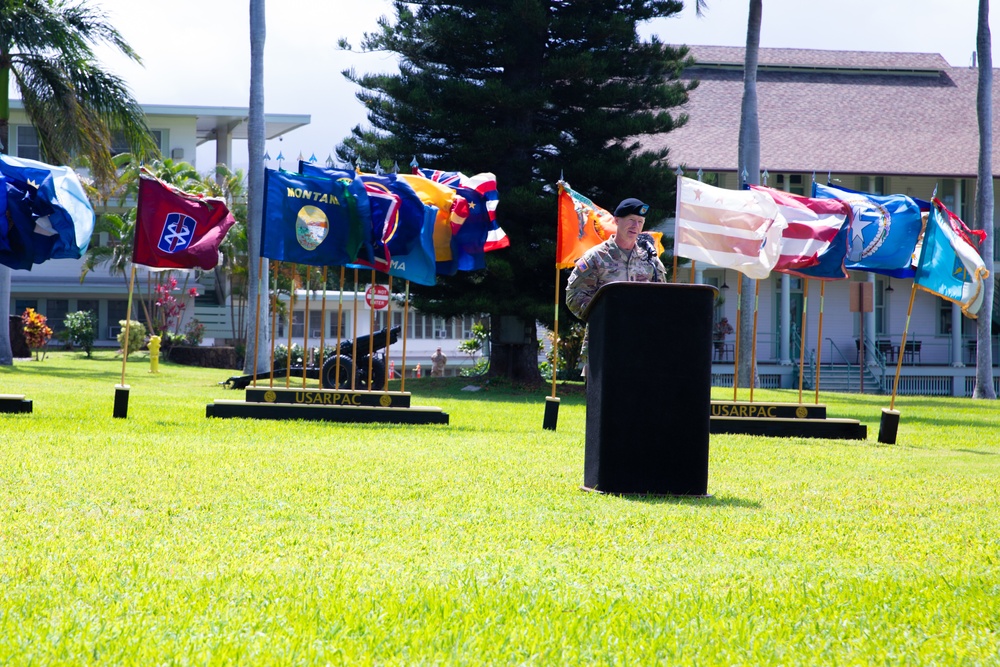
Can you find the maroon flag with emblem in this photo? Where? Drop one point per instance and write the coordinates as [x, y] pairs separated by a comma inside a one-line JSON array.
[[177, 230]]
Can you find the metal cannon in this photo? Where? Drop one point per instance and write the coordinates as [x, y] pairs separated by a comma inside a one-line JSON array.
[[351, 360]]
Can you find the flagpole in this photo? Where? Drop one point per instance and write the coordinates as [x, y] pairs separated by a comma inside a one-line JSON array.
[[736, 348], [555, 336], [340, 329], [371, 333], [388, 337], [291, 309], [406, 324], [354, 338], [256, 329], [120, 409], [889, 424], [677, 216], [819, 334], [753, 345], [274, 321], [691, 276], [322, 332], [305, 330], [802, 334]]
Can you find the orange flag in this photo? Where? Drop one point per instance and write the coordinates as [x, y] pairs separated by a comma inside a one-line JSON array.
[[582, 225]]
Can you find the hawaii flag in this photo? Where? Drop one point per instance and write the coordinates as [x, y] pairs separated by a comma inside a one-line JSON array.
[[814, 244], [732, 229], [177, 230], [950, 266]]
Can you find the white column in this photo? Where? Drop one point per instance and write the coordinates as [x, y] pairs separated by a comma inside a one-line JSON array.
[[956, 336], [785, 345], [699, 278], [870, 332]]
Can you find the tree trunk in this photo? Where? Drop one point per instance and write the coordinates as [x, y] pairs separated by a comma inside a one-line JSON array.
[[984, 203], [258, 335], [6, 355], [749, 174]]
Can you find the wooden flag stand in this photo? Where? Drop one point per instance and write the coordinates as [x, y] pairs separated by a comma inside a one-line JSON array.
[[349, 405], [788, 420]]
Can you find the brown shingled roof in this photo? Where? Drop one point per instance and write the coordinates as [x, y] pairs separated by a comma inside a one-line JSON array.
[[909, 113]]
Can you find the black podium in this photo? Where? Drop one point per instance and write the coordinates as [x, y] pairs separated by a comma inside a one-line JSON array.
[[649, 389]]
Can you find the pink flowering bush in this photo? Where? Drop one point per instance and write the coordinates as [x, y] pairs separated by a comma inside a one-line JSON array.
[[168, 309]]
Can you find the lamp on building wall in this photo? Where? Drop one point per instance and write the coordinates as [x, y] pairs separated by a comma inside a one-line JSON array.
[[888, 289], [724, 285]]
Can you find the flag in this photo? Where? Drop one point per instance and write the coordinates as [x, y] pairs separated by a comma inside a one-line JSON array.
[[370, 230], [18, 242], [950, 265], [63, 216], [177, 230], [732, 229], [311, 219], [814, 244], [406, 227], [481, 193], [419, 265], [884, 230], [452, 211], [582, 224]]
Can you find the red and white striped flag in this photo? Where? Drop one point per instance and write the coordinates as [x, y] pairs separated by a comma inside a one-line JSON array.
[[813, 224], [733, 229]]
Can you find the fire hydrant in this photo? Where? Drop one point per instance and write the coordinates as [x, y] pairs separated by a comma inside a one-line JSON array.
[[154, 354]]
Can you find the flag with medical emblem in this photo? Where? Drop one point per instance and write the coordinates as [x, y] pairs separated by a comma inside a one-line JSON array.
[[178, 230]]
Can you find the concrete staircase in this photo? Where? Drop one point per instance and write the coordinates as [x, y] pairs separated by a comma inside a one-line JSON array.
[[847, 380]]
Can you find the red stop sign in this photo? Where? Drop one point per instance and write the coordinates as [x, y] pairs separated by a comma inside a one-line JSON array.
[[377, 296]]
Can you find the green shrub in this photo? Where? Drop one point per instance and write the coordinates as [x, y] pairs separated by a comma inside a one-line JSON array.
[[136, 335], [81, 329]]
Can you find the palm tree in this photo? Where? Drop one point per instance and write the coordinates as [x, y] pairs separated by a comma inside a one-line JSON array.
[[748, 167], [259, 333], [46, 51], [984, 202]]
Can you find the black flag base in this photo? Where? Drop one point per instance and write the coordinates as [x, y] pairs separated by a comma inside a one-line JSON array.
[[121, 401], [551, 413], [888, 427]]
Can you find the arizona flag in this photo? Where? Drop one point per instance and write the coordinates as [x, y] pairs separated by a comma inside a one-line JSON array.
[[950, 266], [732, 229], [814, 244], [177, 230]]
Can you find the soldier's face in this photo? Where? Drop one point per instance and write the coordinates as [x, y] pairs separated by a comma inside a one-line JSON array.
[[628, 230]]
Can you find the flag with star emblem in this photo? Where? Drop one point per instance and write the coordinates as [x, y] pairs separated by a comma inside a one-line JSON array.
[[178, 230], [884, 232], [732, 229], [950, 265], [57, 205]]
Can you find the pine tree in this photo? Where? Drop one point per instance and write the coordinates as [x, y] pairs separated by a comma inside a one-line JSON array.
[[529, 90]]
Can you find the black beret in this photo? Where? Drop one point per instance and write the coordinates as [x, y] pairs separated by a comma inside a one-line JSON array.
[[631, 206]]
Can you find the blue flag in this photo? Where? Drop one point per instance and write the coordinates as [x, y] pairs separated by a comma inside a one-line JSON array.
[[62, 214], [405, 230], [310, 220], [367, 252], [419, 265], [950, 265], [884, 230], [18, 248]]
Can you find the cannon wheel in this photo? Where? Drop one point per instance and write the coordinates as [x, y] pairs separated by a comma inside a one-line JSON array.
[[378, 374], [330, 370]]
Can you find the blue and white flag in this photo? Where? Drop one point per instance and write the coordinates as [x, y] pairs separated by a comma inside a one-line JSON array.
[[884, 230], [62, 214], [950, 266]]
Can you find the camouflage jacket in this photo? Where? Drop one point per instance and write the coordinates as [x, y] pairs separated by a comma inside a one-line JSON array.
[[607, 263]]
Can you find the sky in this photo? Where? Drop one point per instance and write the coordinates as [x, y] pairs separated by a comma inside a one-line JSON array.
[[197, 52]]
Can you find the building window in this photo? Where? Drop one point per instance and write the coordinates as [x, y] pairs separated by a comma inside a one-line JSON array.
[[119, 145], [874, 185], [55, 312], [27, 142], [944, 321], [21, 305], [117, 309], [298, 323], [793, 183]]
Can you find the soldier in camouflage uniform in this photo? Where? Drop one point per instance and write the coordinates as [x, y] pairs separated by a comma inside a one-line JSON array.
[[628, 256]]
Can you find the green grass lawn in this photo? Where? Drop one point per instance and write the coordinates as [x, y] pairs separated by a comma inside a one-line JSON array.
[[169, 538]]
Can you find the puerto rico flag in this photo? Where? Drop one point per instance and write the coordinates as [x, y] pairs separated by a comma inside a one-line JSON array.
[[177, 230]]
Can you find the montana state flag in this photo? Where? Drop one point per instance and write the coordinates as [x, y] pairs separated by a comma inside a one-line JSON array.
[[312, 219], [177, 230]]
